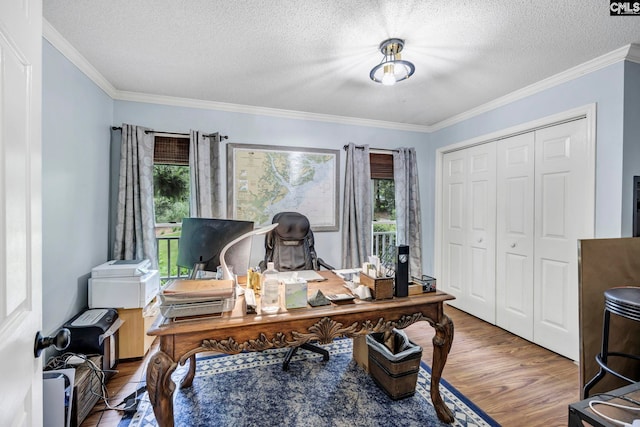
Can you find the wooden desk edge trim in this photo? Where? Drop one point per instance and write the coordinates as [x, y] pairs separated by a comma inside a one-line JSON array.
[[164, 327]]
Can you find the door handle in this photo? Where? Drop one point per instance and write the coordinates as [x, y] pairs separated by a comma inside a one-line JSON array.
[[480, 240], [513, 245], [60, 341]]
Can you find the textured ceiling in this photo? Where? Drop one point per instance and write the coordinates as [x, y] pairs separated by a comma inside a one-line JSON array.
[[315, 55]]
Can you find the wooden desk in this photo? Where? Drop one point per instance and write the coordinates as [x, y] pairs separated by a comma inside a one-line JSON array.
[[235, 332]]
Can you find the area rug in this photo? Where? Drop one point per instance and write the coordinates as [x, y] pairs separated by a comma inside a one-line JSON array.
[[251, 389]]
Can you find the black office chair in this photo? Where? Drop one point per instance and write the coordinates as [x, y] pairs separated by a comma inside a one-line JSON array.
[[290, 246]]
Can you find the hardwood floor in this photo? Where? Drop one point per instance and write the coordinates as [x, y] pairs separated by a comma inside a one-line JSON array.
[[514, 381]]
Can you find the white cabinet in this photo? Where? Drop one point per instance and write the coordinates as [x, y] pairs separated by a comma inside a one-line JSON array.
[[512, 213]]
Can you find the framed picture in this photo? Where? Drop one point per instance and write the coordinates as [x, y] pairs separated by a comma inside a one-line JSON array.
[[263, 180]]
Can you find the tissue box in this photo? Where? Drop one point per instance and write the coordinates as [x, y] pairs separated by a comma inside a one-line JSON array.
[[295, 293]]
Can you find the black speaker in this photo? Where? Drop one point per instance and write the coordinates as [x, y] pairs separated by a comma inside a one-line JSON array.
[[402, 271]]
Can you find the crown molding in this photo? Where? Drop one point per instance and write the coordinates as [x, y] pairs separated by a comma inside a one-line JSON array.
[[634, 53], [76, 58], [263, 111], [630, 52]]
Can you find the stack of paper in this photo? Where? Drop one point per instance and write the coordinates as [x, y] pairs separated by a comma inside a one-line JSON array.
[[184, 298]]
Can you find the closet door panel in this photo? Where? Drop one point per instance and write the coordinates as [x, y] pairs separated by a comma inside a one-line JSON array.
[[481, 216], [560, 194], [554, 290], [514, 231], [456, 232], [454, 226], [455, 274], [515, 298]]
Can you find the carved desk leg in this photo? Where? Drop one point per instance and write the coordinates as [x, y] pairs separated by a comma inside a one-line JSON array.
[[161, 387], [187, 381], [441, 346]]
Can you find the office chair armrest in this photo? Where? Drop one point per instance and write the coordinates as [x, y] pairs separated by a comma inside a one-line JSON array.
[[321, 263]]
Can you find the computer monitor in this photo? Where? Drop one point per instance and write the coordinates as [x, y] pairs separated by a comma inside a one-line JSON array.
[[202, 239]]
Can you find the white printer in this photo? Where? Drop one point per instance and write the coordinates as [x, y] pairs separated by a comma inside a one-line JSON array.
[[123, 284]]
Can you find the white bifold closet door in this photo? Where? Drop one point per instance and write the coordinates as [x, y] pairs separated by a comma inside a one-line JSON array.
[[515, 238], [469, 229], [512, 215], [454, 227], [561, 192]]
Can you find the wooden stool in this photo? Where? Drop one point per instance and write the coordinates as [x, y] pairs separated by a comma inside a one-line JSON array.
[[624, 302]]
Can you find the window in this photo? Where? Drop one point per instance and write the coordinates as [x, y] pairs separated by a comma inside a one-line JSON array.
[[171, 179], [170, 197], [384, 209]]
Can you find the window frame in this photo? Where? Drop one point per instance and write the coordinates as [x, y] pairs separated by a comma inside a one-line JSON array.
[[167, 156], [381, 166]]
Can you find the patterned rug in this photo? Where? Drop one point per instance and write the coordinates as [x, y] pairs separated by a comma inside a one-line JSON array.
[[251, 389]]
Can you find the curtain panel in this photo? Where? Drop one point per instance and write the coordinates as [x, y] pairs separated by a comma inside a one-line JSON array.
[[135, 221], [357, 213], [205, 200], [407, 195]]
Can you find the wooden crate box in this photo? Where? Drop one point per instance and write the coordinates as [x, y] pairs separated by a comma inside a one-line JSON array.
[[381, 287], [134, 341]]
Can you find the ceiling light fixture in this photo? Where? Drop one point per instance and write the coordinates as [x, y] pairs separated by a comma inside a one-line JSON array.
[[392, 68]]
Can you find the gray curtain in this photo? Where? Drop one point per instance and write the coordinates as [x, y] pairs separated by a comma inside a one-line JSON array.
[[200, 175], [205, 199], [357, 208], [405, 176], [216, 177], [135, 222]]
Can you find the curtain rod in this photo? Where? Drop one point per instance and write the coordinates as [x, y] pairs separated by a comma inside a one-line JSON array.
[[372, 150], [174, 133]]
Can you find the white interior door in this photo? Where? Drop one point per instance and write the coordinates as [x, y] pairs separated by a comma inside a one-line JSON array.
[[514, 234], [454, 227], [468, 237], [561, 192], [481, 224], [20, 211]]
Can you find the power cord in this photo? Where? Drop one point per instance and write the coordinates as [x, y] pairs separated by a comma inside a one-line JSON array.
[[627, 398], [72, 360], [635, 423]]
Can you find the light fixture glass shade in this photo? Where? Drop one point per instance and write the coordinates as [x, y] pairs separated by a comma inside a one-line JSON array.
[[388, 77], [391, 69]]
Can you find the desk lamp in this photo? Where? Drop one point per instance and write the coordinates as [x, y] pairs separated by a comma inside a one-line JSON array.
[[226, 274]]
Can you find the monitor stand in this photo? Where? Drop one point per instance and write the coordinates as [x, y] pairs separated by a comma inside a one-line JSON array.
[[197, 268]]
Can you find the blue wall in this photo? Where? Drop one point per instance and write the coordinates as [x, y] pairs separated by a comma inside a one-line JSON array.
[[252, 129], [631, 158], [605, 87], [76, 148], [76, 116]]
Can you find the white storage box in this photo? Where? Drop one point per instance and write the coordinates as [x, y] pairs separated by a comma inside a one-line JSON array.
[[123, 292]]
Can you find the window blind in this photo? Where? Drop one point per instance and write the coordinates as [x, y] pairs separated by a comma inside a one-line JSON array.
[[170, 150], [381, 165]]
